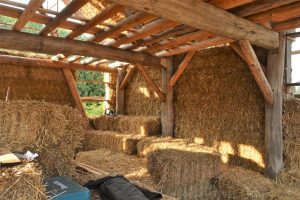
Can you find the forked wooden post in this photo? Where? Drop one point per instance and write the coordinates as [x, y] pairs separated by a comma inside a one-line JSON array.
[[273, 113], [120, 93], [167, 107]]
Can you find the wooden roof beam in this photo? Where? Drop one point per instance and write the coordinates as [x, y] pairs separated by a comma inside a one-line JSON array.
[[35, 62], [149, 29], [101, 17], [53, 45], [27, 14], [257, 71], [152, 85], [128, 77], [286, 25], [70, 9], [126, 24], [211, 19]]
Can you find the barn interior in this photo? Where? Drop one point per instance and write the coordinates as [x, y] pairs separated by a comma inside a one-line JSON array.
[[198, 92]]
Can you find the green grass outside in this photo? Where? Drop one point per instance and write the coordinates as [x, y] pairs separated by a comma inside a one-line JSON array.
[[93, 109]]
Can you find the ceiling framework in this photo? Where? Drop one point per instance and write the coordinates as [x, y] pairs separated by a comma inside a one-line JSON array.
[[152, 31]]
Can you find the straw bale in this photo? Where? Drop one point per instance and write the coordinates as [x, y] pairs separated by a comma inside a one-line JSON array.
[[140, 98], [22, 182], [238, 183], [125, 143], [31, 83], [186, 173], [282, 192], [291, 140], [53, 131], [112, 163], [141, 125], [218, 102], [151, 144]]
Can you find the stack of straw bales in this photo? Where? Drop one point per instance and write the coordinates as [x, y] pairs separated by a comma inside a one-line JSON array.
[[185, 173], [120, 142], [291, 139], [53, 131], [238, 183], [142, 125], [23, 182]]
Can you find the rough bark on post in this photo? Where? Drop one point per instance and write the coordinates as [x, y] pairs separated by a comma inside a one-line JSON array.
[[167, 107], [273, 113], [120, 93]]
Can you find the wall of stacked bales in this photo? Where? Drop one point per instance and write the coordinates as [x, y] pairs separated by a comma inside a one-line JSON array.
[[31, 83], [139, 98], [217, 104]]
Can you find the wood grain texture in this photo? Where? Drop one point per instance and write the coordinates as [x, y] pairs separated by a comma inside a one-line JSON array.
[[128, 77], [120, 93]]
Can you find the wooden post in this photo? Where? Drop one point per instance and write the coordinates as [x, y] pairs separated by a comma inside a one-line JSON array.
[[119, 92], [273, 113], [167, 107]]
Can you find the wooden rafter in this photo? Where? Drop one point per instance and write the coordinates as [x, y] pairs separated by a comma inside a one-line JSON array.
[[211, 19], [151, 84], [52, 45], [126, 24], [35, 62], [257, 71], [183, 65], [70, 9], [27, 14], [229, 4], [286, 25], [152, 28], [128, 77], [101, 17]]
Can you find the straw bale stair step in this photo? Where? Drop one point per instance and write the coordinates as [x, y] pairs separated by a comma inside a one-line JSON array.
[[115, 141], [141, 125]]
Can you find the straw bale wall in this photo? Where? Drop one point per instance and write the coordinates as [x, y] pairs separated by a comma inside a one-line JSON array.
[[31, 83]]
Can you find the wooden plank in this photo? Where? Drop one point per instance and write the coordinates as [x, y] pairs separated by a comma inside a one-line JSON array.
[[128, 77], [149, 29], [93, 99], [126, 24], [95, 82], [211, 19], [70, 9], [257, 71], [35, 62], [183, 65], [53, 45], [229, 4], [261, 6], [151, 84], [273, 113], [120, 94], [27, 14], [215, 41], [294, 35], [286, 25], [295, 52], [167, 106], [101, 17], [7, 157], [73, 89], [42, 19]]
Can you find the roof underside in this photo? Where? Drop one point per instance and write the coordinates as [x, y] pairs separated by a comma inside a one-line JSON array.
[[128, 28]]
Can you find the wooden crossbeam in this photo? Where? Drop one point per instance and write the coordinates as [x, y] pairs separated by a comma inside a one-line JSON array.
[[101, 17], [27, 14], [93, 99], [128, 77], [211, 19], [183, 65], [53, 45], [180, 30], [239, 51], [229, 4], [215, 41], [42, 19], [257, 71], [95, 82], [152, 85], [152, 28], [126, 24], [35, 62], [261, 6], [70, 9]]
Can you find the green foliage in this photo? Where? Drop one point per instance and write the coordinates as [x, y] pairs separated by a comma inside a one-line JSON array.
[[90, 89], [93, 109], [6, 20]]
